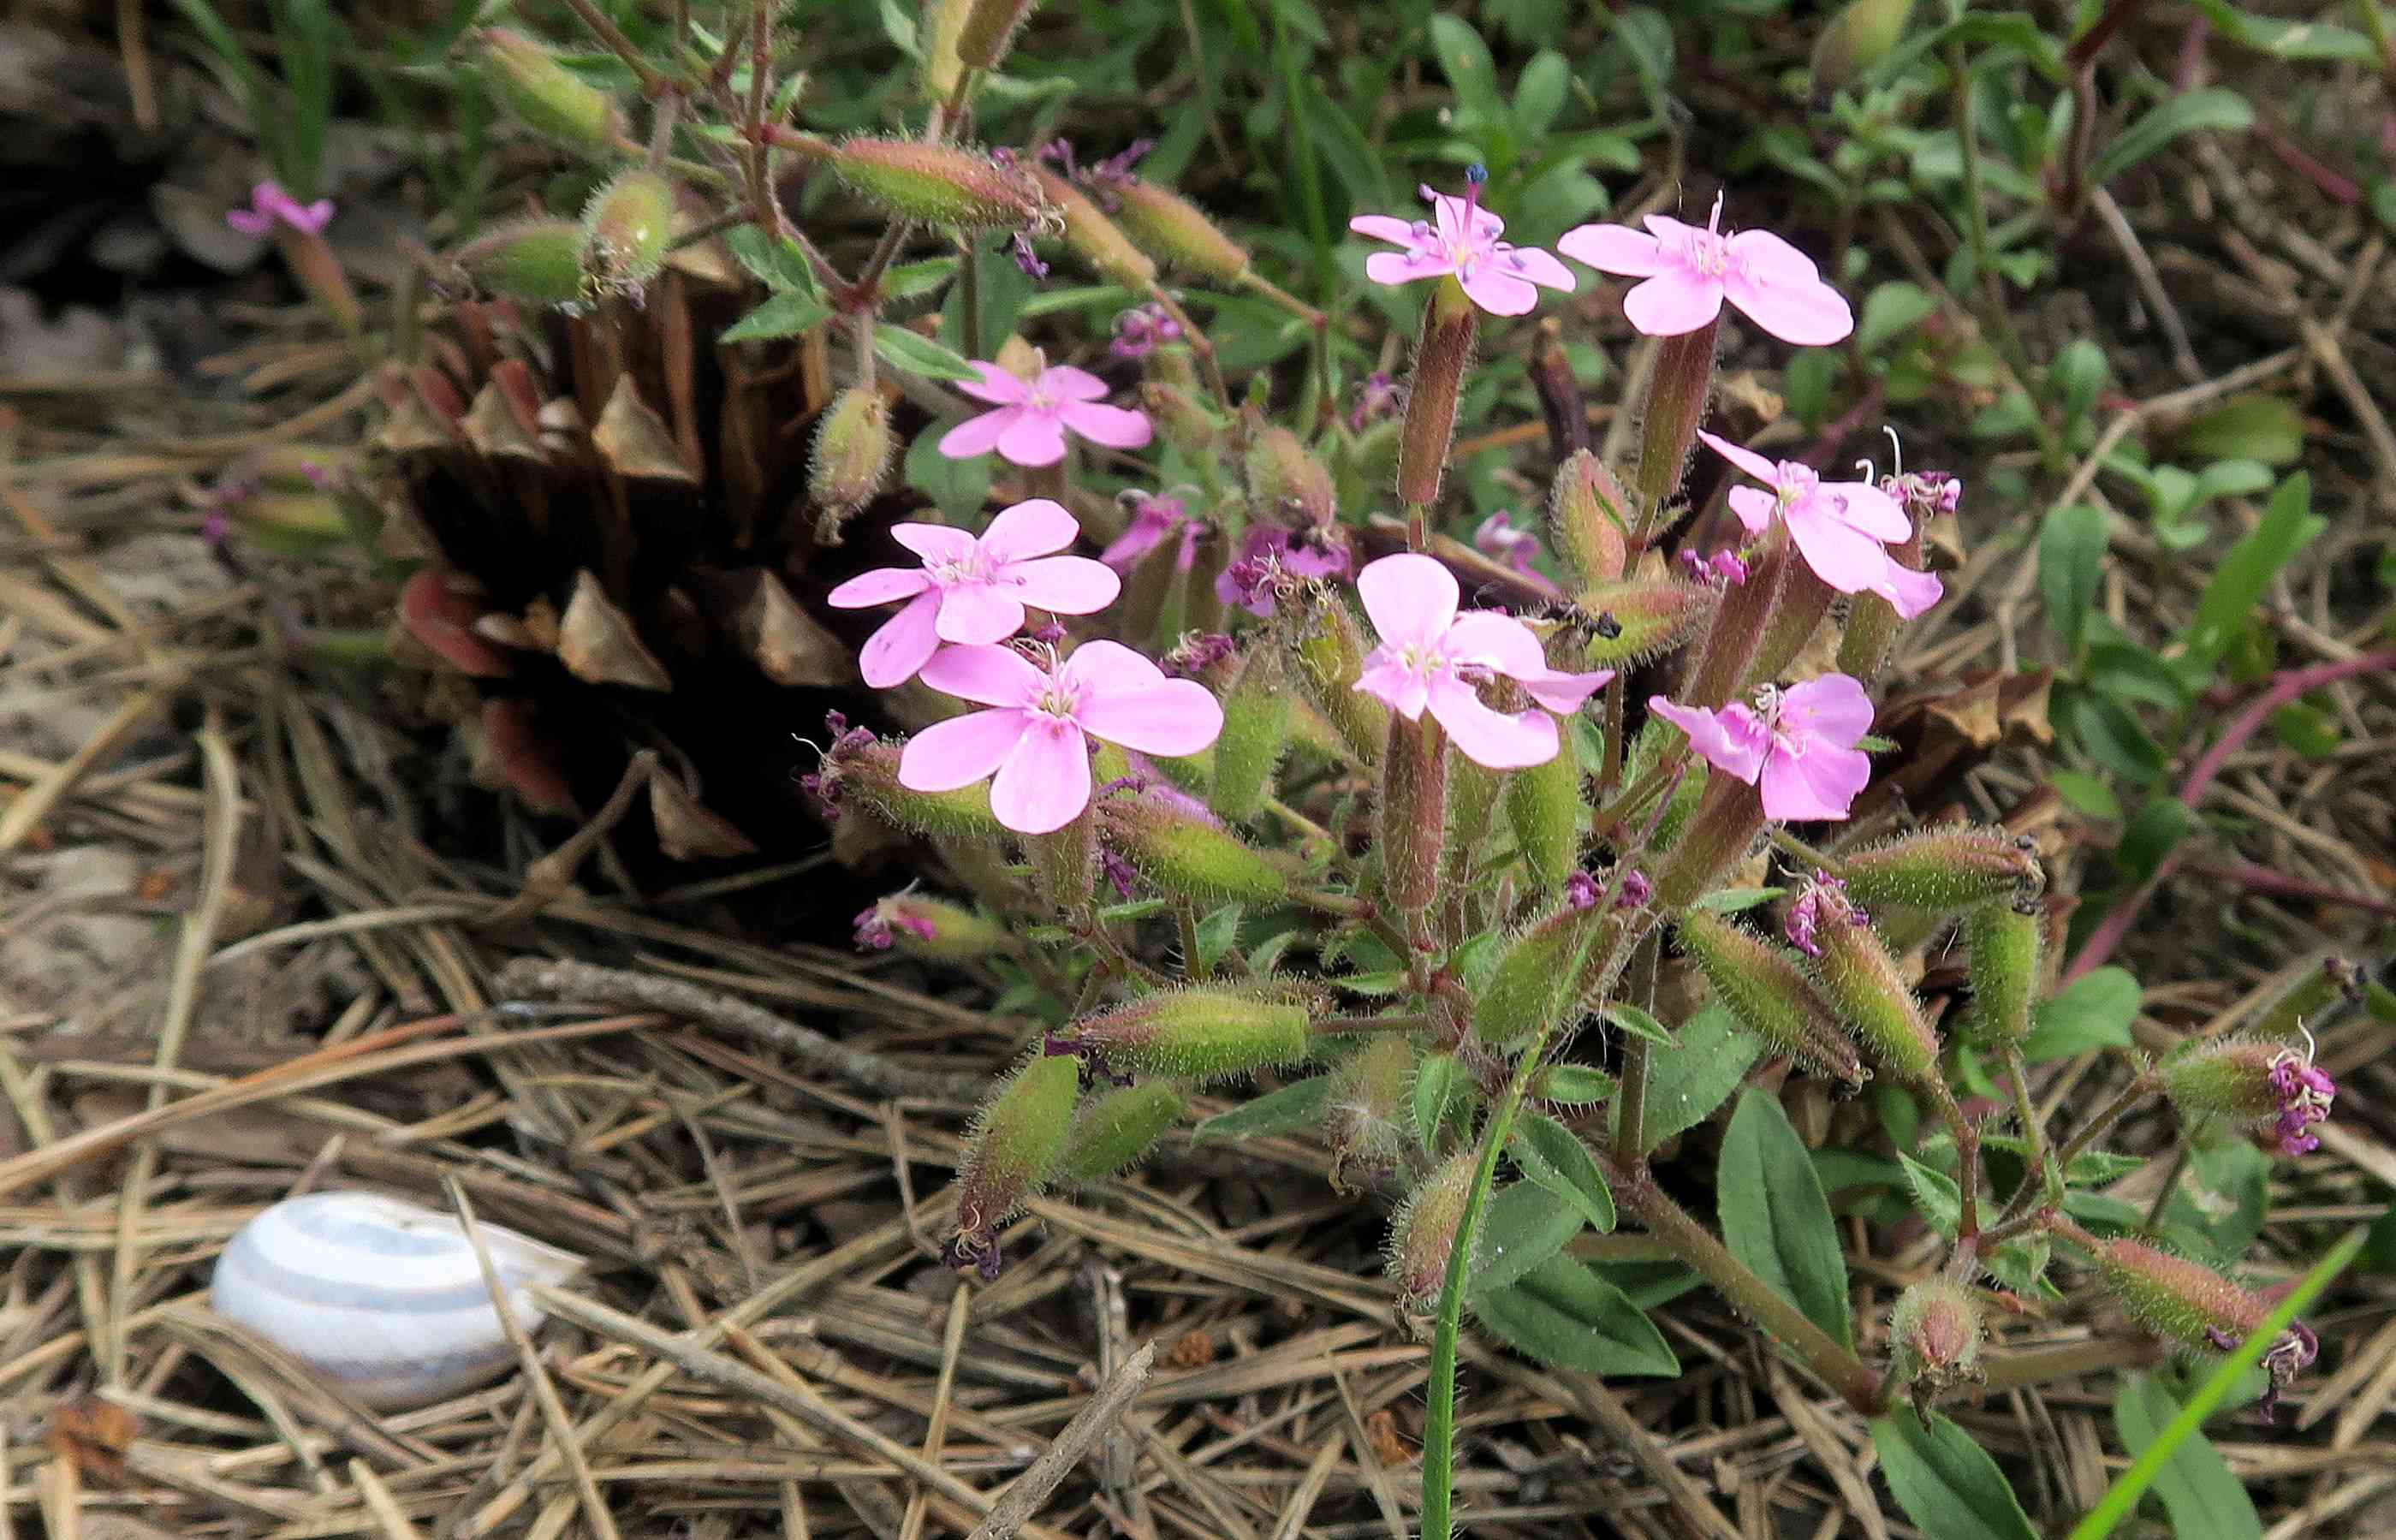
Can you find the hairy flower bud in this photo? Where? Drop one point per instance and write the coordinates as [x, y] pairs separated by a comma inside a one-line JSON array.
[[867, 771], [1945, 870], [1181, 418], [2002, 945], [1422, 1233], [1171, 228], [1442, 357], [1013, 1148], [1545, 810], [1331, 659], [1588, 519], [1643, 619], [1857, 38], [1185, 851], [989, 31], [1255, 726], [1116, 1129], [1935, 1334], [1414, 822], [1367, 1116], [2194, 1307], [938, 184], [537, 261], [1678, 390], [626, 230], [1538, 982], [1859, 979], [1195, 1033], [1283, 477], [545, 96], [854, 448], [2255, 1082], [1728, 817], [1093, 237], [930, 928], [2315, 992], [1762, 987]]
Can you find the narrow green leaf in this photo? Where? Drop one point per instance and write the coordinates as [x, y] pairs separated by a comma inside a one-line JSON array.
[[1564, 1315], [1890, 310], [918, 355], [2216, 108], [1773, 1216], [2070, 565], [1440, 1088], [1573, 1084], [1945, 1482], [2205, 1500], [1553, 1157], [1522, 1227], [1217, 932], [1639, 1023], [1464, 58], [2229, 602], [1294, 1106], [1934, 1193], [776, 262], [781, 316]]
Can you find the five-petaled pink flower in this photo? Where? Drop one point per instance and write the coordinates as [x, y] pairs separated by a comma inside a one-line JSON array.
[[1799, 743], [1036, 739], [1690, 271], [1432, 658], [1028, 427], [973, 590], [1839, 527], [268, 203], [1462, 238]]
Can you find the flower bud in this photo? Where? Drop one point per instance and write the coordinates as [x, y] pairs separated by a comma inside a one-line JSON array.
[[1171, 228], [1195, 1033], [1442, 356], [1065, 864], [1946, 869], [1284, 479], [2003, 945], [1678, 390], [1187, 852], [1935, 1334], [1331, 659], [2253, 1082], [943, 24], [2337, 979], [989, 31], [1413, 822], [1255, 726], [1538, 982], [1181, 418], [938, 184], [1857, 38], [2194, 1307], [1859, 979], [1588, 519], [854, 448], [537, 261], [626, 230], [930, 928], [1422, 1233], [1371, 1104], [1114, 1130], [1545, 810], [1717, 836], [1643, 619], [545, 96], [867, 770], [1093, 237], [1009, 1155], [1762, 987]]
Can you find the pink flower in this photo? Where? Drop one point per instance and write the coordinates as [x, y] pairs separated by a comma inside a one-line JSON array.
[[1037, 739], [268, 203], [2305, 1095], [1464, 241], [1431, 658], [1799, 741], [973, 590], [1690, 271], [1028, 427], [1154, 521], [1842, 528], [1267, 553]]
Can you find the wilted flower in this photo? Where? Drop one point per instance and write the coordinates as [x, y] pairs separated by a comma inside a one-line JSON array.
[[1378, 397], [1723, 566], [1141, 329], [1104, 178], [1267, 554], [879, 927], [974, 589], [1033, 417], [1027, 261], [1462, 240], [269, 204], [1154, 521], [1806, 915], [1498, 540], [1690, 271], [1798, 744], [1842, 528], [1581, 891], [2305, 1093], [2264, 1085]]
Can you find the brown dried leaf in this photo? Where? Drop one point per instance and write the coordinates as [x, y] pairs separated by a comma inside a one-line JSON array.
[[784, 641], [635, 442], [598, 642], [687, 830], [94, 1434], [493, 427]]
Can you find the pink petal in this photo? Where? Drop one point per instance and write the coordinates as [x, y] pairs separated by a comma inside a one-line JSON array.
[[1393, 268], [1832, 710], [1045, 782], [1447, 217], [1866, 507], [1731, 740], [1492, 738], [1822, 784], [1034, 438], [1613, 249], [935, 543], [1909, 592], [1541, 267], [997, 386], [312, 219], [979, 612], [1563, 691], [249, 222], [1064, 585], [1848, 559], [1410, 598], [896, 652], [1113, 425], [1762, 470], [1033, 527], [1669, 231], [1810, 314], [1178, 716], [1769, 256], [879, 586], [1497, 641], [992, 676], [1754, 507], [1499, 292], [1384, 227], [1110, 668], [1065, 382], [960, 751], [1672, 302], [979, 436], [1395, 686]]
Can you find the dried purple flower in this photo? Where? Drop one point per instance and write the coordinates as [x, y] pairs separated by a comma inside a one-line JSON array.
[[1376, 399], [1139, 330], [1823, 897], [1498, 540], [2305, 1093], [1581, 891], [1027, 260], [1637, 891]]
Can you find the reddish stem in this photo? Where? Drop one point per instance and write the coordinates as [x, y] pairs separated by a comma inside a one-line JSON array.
[[2262, 879]]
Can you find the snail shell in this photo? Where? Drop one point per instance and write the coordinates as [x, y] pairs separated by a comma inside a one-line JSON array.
[[381, 1297]]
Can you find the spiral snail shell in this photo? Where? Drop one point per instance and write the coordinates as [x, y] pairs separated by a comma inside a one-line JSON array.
[[381, 1297]]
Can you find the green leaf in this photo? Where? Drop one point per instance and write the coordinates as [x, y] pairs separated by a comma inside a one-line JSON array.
[[1684, 1087], [1464, 58], [1298, 1105], [2205, 1500], [1732, 900], [1553, 1157], [1441, 1088], [2309, 41], [2254, 426], [2215, 107], [2088, 795], [1934, 1193], [1521, 1226], [1945, 1482], [1541, 93], [2229, 602], [1564, 1315], [1573, 1084], [2151, 834], [1890, 309], [1217, 932], [2070, 565], [918, 355], [1773, 1216], [2093, 1011], [780, 316], [776, 262], [910, 279], [959, 488], [2078, 374], [1639, 1023]]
